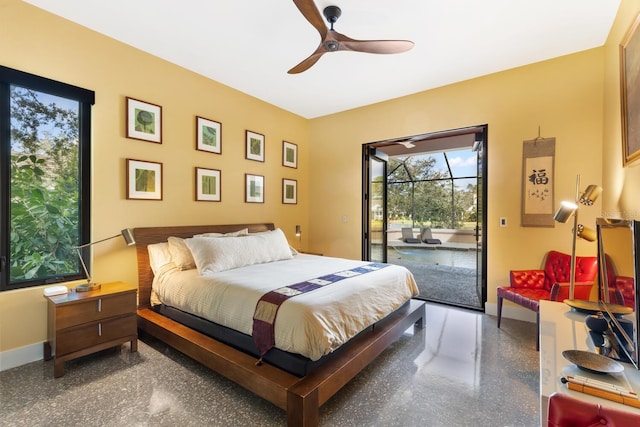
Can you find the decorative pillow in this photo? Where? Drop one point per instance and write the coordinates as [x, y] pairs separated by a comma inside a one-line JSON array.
[[293, 250], [159, 256], [214, 255], [180, 254]]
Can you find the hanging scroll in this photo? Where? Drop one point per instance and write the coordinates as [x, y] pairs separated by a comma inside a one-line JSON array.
[[538, 182]]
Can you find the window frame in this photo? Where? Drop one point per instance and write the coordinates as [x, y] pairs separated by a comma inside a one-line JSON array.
[[86, 98]]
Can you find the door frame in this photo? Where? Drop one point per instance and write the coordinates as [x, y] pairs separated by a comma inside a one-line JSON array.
[[480, 133]]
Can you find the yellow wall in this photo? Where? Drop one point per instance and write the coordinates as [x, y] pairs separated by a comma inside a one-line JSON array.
[[574, 98], [40, 43], [563, 96]]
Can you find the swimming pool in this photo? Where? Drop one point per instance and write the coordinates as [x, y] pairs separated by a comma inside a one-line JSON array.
[[453, 258]]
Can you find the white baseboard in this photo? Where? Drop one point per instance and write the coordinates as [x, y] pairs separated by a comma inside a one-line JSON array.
[[20, 356], [511, 312]]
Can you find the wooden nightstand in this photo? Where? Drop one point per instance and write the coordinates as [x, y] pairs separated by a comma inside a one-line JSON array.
[[81, 323]]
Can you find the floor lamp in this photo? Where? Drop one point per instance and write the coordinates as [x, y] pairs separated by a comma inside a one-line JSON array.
[[127, 233], [568, 209]]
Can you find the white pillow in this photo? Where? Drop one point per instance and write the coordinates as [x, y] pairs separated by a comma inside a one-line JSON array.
[[181, 255], [159, 256], [242, 232], [214, 255]]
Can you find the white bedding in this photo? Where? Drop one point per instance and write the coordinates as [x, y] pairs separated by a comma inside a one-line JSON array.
[[312, 324]]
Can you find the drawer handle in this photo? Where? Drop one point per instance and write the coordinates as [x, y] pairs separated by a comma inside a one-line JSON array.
[[99, 305], [99, 329]]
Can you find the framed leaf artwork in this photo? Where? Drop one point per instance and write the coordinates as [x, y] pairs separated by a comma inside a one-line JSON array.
[[144, 180], [208, 135], [255, 146], [208, 185], [144, 121]]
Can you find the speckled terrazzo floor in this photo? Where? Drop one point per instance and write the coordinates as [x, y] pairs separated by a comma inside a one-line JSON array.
[[460, 370]]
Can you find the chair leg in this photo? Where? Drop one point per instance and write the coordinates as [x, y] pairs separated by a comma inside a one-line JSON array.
[[499, 310], [537, 331]]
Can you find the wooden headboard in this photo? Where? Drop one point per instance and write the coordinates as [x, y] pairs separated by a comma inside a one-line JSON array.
[[149, 235]]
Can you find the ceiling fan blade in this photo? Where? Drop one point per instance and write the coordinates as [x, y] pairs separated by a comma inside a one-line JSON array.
[[307, 63], [312, 14], [377, 46]]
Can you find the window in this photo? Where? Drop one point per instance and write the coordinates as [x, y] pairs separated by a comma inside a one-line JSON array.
[[44, 179]]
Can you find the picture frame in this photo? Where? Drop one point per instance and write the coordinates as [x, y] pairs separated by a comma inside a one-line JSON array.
[[289, 191], [208, 135], [144, 120], [630, 93], [255, 146], [289, 154], [208, 185], [254, 188], [144, 180]]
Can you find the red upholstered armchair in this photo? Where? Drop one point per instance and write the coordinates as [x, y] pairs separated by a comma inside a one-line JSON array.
[[568, 411], [528, 287], [621, 288], [624, 288]]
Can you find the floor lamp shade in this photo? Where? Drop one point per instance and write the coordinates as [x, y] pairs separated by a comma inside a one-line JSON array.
[[590, 195], [129, 238], [586, 233], [567, 210]]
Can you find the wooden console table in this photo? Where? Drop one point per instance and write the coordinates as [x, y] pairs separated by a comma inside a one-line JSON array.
[[562, 329]]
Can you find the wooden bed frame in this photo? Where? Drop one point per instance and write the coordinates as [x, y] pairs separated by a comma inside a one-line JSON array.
[[299, 397]]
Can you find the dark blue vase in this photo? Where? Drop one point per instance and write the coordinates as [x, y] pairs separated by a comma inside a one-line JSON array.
[[597, 322]]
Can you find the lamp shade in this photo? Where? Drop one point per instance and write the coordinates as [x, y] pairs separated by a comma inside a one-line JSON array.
[[565, 211], [590, 195], [129, 237], [586, 233]]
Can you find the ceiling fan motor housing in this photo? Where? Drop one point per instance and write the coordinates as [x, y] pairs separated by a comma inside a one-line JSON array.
[[332, 13]]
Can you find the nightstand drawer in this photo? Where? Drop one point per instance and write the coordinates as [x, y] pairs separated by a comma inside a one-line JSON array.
[[95, 309], [94, 333]]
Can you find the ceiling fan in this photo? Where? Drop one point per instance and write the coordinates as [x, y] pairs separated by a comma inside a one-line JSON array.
[[333, 41]]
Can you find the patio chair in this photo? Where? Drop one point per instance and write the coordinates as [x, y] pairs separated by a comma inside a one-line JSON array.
[[407, 236], [427, 237]]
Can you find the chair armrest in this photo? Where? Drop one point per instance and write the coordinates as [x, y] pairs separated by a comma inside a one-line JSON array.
[[560, 291], [533, 279]]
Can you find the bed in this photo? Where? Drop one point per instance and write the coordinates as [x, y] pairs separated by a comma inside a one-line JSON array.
[[299, 393]]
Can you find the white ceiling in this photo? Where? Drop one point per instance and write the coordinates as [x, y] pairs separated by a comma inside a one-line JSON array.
[[250, 44]]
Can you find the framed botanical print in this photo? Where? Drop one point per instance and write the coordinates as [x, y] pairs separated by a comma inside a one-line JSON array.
[[144, 180], [207, 185], [208, 135], [254, 188], [144, 121], [255, 146], [289, 154], [289, 191]]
